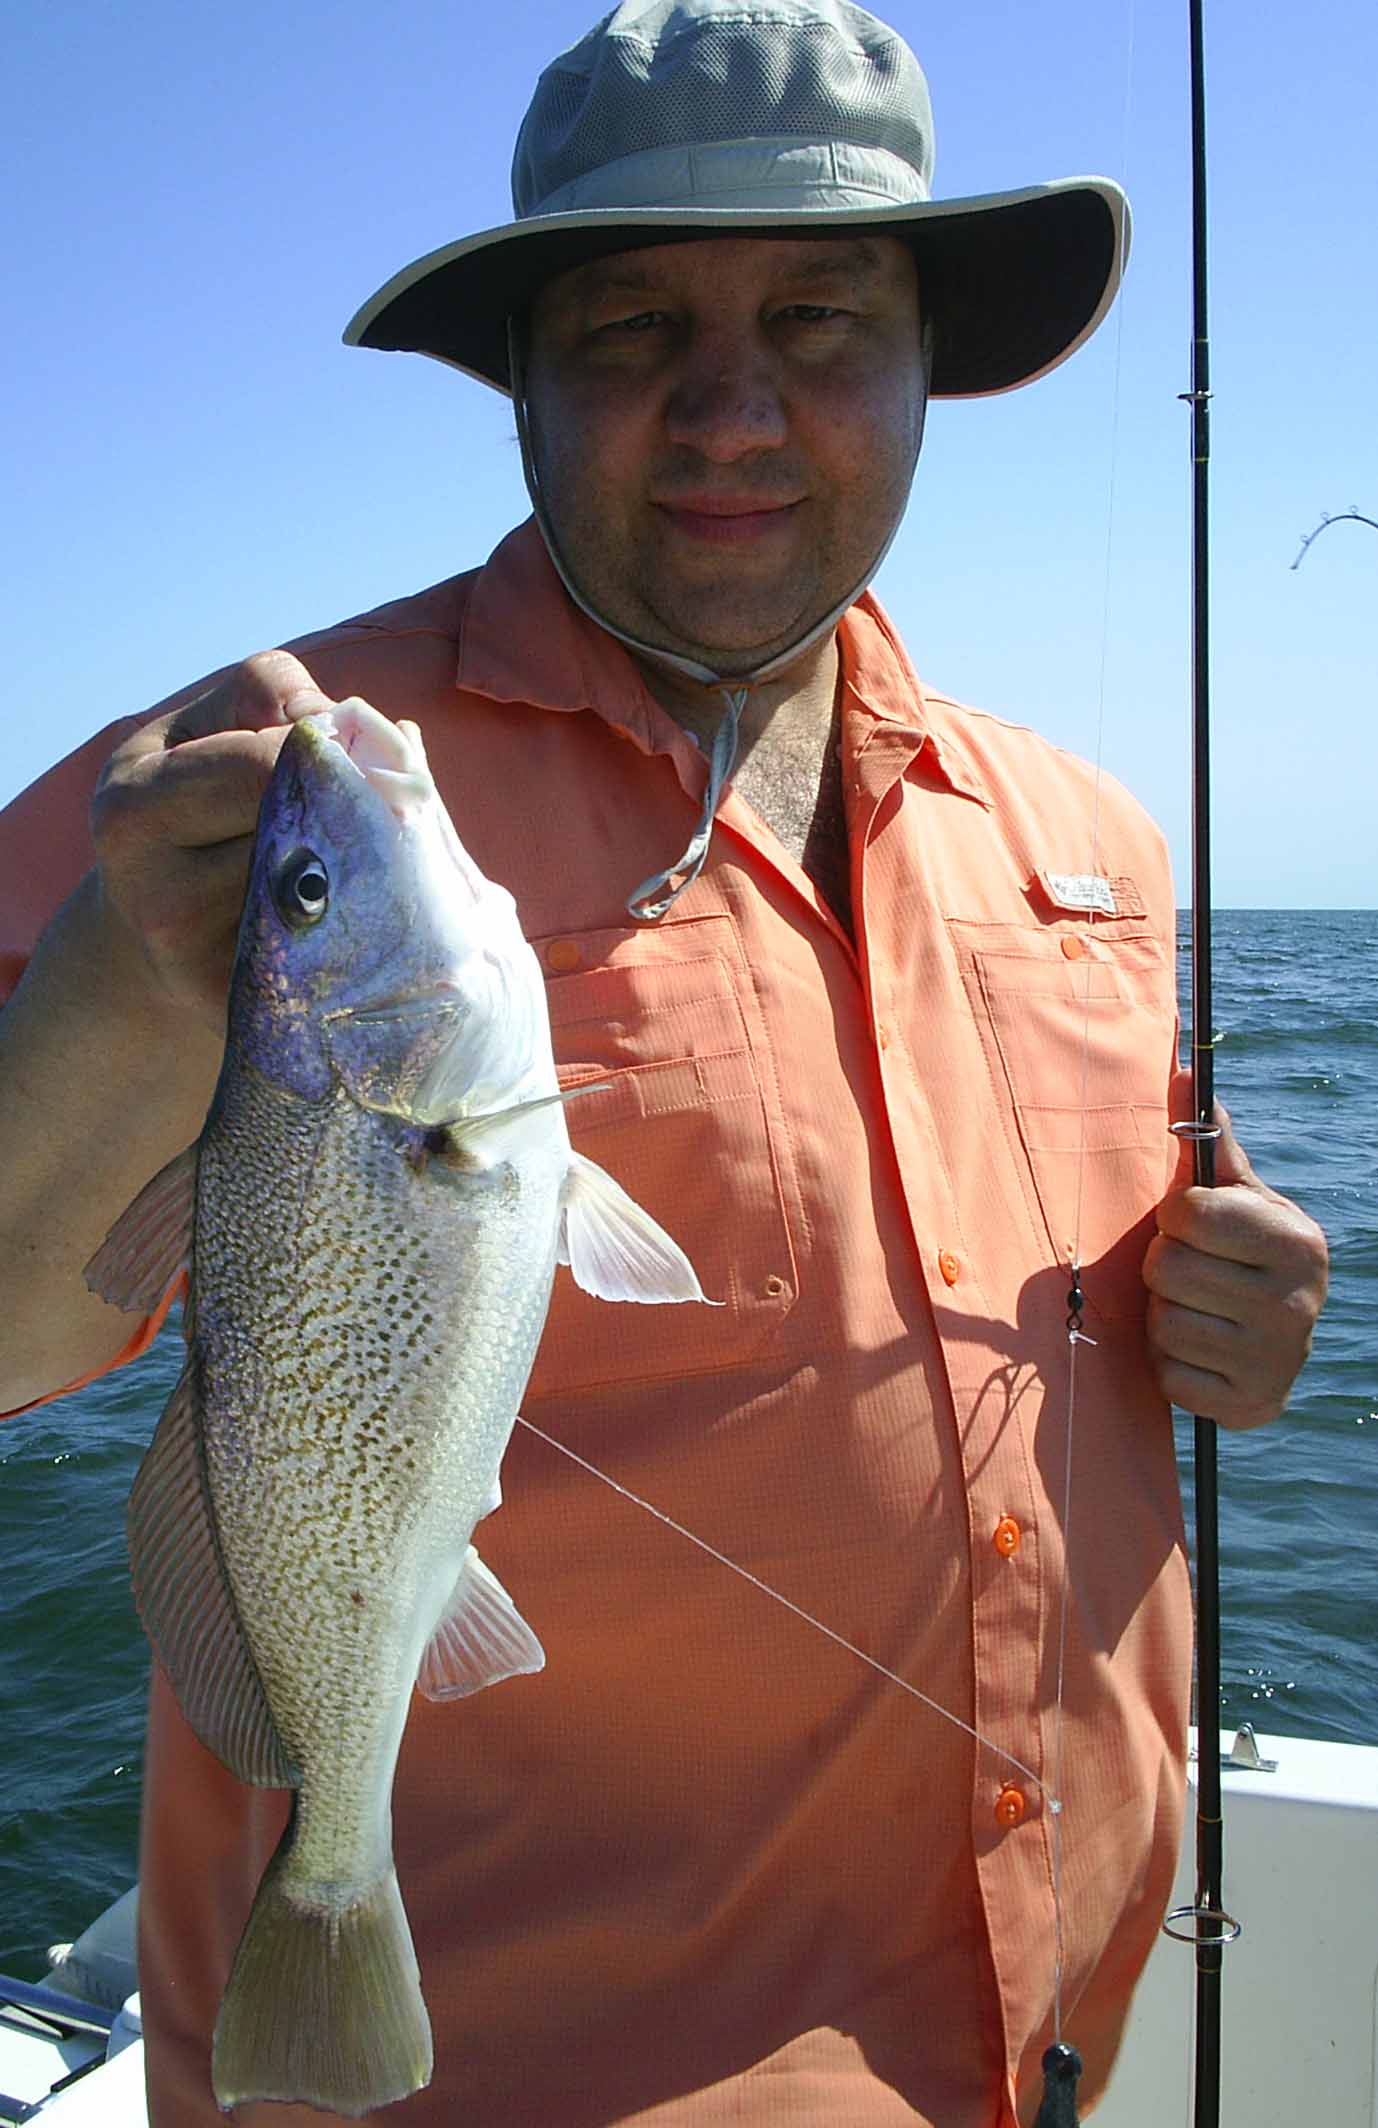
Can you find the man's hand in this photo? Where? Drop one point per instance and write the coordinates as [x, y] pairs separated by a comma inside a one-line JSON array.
[[110, 1046], [1236, 1276], [173, 821]]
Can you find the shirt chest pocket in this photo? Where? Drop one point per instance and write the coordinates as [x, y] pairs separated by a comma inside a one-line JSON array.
[[686, 1116], [1079, 1033]]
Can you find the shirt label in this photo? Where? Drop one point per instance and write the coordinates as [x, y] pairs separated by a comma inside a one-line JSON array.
[[1081, 890]]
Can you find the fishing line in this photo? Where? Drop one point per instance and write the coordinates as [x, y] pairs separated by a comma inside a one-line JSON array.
[[1060, 2062], [808, 1618]]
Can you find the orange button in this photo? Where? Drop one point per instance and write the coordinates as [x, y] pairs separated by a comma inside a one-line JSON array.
[[1010, 1806], [563, 954], [1072, 947], [882, 1037], [950, 1266], [1007, 1535]]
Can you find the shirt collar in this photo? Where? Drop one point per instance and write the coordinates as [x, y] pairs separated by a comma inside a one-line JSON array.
[[887, 690], [522, 639]]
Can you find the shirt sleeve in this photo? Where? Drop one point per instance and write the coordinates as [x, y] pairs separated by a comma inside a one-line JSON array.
[[144, 1335]]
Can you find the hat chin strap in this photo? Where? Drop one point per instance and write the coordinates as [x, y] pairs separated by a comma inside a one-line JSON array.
[[651, 899]]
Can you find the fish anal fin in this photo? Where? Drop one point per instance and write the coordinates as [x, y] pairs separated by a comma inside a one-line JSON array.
[[150, 1242], [185, 1602], [481, 1639], [614, 1248]]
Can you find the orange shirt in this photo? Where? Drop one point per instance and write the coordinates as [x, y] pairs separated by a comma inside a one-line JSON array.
[[710, 1866]]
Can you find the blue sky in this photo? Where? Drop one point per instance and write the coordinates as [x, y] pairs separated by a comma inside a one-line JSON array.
[[198, 468]]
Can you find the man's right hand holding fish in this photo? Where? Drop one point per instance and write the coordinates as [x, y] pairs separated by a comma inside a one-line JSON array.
[[123, 1006]]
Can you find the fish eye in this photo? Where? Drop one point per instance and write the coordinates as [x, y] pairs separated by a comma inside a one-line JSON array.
[[302, 889]]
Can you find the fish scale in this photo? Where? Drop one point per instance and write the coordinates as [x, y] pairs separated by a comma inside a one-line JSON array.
[[371, 1449]]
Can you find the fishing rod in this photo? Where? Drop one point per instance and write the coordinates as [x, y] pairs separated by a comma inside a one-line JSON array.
[[1211, 1928], [1349, 516]]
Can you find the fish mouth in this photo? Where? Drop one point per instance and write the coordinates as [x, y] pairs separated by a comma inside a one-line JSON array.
[[336, 755], [390, 757]]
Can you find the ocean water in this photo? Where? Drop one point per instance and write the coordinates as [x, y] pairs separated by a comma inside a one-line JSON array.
[[1296, 1010], [1296, 1017]]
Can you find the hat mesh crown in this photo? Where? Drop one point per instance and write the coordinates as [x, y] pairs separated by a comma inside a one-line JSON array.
[[840, 76], [674, 120]]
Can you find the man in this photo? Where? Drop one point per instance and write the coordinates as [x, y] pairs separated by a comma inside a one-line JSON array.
[[882, 991]]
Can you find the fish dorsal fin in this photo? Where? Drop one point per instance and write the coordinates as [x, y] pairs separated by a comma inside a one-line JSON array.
[[613, 1247], [185, 1603], [481, 1639], [150, 1242]]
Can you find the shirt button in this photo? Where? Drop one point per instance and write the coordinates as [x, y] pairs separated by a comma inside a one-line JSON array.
[[1010, 1806], [563, 954], [1007, 1535], [950, 1266], [1072, 947], [882, 1037]]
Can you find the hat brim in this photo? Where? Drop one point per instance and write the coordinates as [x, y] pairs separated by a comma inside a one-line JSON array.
[[1013, 281]]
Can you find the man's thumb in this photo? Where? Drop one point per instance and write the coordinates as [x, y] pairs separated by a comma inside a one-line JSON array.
[[1231, 1161]]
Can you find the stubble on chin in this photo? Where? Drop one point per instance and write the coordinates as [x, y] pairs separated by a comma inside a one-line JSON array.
[[709, 616]]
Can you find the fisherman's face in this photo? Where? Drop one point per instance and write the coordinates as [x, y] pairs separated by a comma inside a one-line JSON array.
[[725, 432]]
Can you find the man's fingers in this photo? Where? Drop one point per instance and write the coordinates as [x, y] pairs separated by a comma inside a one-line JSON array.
[[1208, 1395], [1211, 1371], [203, 792], [195, 777], [199, 793], [173, 821], [1236, 1275], [271, 688], [1252, 1227], [1228, 1337], [1197, 1338], [1238, 1221], [198, 899], [1217, 1367], [1191, 1278]]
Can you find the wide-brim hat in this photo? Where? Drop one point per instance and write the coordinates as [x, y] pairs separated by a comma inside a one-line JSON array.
[[676, 120]]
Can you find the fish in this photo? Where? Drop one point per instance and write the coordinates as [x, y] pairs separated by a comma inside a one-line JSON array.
[[370, 1224]]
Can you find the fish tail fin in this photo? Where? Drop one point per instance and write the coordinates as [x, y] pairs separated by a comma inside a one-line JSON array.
[[324, 2002]]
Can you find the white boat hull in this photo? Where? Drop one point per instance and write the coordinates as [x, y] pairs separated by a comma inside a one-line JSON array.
[[1299, 1990]]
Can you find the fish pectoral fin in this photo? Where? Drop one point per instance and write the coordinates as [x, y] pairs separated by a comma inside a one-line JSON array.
[[185, 1602], [150, 1242], [486, 1133], [614, 1248], [481, 1639]]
